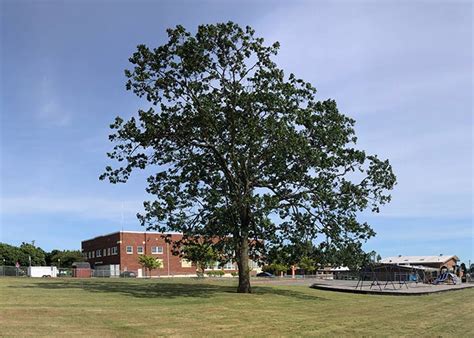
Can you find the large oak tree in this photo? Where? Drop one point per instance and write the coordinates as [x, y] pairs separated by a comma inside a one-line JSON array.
[[240, 151]]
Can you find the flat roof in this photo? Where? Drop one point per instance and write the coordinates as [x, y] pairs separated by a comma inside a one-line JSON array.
[[417, 259], [134, 232]]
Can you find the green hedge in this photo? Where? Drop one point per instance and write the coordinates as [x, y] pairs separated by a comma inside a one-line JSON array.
[[215, 273]]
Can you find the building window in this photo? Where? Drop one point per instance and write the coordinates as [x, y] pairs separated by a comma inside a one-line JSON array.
[[156, 250], [114, 250], [105, 252], [129, 249], [252, 264], [108, 251], [98, 253], [186, 264], [93, 254], [213, 266], [140, 250], [229, 266]]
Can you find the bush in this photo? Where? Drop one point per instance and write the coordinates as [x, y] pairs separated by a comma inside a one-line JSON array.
[[216, 273], [234, 274], [275, 268]]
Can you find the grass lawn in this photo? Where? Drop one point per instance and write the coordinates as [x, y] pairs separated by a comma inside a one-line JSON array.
[[119, 307]]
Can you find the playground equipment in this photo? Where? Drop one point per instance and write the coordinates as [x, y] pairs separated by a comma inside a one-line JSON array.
[[447, 278], [390, 276], [427, 277], [400, 275], [368, 273]]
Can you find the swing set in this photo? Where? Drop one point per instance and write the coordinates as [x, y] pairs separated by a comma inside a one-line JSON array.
[[389, 276]]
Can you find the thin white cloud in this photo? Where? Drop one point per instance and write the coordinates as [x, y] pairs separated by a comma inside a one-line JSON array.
[[85, 207], [411, 97], [51, 111]]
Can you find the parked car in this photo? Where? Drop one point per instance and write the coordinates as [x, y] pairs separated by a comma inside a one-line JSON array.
[[265, 275], [128, 274]]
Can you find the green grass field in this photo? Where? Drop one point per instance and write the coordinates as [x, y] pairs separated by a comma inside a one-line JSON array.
[[182, 307]]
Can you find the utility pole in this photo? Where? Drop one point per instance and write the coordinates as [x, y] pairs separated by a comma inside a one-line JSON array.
[[121, 211]]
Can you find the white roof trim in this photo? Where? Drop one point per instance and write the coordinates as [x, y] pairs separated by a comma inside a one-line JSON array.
[[134, 232], [417, 259]]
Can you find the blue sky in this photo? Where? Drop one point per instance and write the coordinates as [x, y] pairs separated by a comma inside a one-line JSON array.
[[402, 69]]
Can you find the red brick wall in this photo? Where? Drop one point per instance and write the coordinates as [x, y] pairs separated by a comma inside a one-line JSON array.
[[102, 242], [171, 263], [81, 273], [450, 264]]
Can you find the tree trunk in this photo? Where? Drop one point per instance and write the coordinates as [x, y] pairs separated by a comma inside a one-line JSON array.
[[243, 264]]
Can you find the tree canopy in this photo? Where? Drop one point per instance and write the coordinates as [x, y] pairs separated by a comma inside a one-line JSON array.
[[149, 262], [239, 150], [10, 255], [200, 253], [64, 258], [306, 255]]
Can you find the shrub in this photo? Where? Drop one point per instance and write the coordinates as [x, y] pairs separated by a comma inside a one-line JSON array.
[[275, 268], [216, 273]]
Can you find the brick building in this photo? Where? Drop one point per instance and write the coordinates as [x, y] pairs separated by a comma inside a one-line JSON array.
[[112, 254], [440, 262]]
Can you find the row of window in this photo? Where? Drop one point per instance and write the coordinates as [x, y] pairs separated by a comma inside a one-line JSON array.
[[218, 266], [155, 250], [101, 252]]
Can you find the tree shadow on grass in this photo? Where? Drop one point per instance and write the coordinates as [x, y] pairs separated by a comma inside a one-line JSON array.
[[286, 293], [162, 289]]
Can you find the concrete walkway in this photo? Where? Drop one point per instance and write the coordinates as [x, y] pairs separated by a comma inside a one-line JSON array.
[[409, 289]]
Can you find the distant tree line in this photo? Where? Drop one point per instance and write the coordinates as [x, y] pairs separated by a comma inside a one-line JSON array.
[[309, 257], [10, 255]]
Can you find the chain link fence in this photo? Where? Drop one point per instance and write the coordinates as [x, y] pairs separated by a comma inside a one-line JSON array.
[[116, 272], [13, 271]]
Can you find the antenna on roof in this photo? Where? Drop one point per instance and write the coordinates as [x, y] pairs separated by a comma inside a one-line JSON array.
[[121, 211]]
